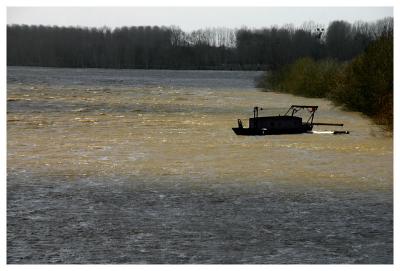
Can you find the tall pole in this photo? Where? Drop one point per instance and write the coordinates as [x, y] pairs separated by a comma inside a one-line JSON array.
[[255, 113]]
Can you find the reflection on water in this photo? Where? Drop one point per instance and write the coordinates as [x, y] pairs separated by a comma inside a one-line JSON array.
[[143, 167]]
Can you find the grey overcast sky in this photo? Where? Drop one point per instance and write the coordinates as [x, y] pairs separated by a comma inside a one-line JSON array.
[[190, 18]]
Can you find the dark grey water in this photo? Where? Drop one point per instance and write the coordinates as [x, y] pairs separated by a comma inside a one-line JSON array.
[[134, 166], [134, 78]]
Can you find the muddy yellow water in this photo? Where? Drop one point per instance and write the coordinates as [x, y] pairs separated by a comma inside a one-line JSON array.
[[143, 167]]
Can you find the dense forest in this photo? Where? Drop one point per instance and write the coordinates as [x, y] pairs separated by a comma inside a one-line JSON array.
[[171, 48], [351, 64]]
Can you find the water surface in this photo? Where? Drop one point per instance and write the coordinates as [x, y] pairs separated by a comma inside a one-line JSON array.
[[136, 166]]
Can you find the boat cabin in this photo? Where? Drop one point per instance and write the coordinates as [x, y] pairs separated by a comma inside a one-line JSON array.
[[275, 122]]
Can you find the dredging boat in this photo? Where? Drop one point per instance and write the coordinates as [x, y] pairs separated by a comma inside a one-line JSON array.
[[288, 123]]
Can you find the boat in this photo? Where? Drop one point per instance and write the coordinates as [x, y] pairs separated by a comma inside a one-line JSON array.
[[289, 123]]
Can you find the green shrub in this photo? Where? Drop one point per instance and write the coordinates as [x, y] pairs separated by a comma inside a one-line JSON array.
[[365, 84], [304, 77]]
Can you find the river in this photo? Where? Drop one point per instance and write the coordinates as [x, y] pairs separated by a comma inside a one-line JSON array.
[[142, 166]]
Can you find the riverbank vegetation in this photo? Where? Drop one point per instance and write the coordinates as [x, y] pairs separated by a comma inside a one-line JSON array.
[[154, 47], [364, 84]]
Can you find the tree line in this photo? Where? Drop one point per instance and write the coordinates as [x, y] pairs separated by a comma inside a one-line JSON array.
[[364, 84], [154, 47]]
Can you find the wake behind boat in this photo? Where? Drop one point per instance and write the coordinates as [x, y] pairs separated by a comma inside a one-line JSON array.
[[289, 123]]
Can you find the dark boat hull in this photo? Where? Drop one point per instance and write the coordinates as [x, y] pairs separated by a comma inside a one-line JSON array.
[[254, 132], [279, 125]]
